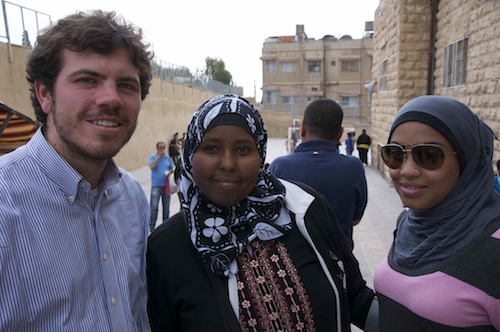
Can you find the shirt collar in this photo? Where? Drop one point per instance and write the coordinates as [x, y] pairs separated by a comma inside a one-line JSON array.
[[56, 168], [316, 144]]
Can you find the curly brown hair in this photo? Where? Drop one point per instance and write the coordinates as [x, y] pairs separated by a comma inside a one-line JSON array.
[[99, 31]]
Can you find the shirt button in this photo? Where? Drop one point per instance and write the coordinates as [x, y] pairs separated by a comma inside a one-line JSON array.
[[71, 199], [113, 301], [105, 257]]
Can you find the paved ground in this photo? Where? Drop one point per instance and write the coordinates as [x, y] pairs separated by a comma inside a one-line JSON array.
[[372, 236]]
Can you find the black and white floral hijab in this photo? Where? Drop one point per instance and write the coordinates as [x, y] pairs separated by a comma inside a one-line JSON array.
[[221, 233]]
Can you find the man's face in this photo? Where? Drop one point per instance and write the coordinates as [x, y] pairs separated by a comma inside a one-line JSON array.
[[92, 111], [160, 148]]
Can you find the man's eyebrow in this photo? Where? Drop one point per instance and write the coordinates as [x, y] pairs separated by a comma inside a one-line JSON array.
[[86, 72]]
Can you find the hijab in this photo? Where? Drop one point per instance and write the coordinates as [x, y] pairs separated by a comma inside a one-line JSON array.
[[426, 237], [221, 233]]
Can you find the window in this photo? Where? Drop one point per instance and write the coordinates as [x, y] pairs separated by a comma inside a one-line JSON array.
[[270, 66], [288, 67], [349, 101], [314, 66], [350, 65], [271, 97], [383, 76], [455, 64], [290, 100], [333, 63]]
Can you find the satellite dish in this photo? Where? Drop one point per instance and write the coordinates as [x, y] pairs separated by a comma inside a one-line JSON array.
[[369, 87]]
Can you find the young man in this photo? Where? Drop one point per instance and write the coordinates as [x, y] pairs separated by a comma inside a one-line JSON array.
[[161, 168], [73, 225], [316, 162], [363, 144]]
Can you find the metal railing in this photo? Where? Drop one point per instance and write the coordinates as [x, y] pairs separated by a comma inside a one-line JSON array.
[[21, 24]]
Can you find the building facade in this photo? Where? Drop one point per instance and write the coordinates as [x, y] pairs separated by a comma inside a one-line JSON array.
[[297, 69], [440, 47]]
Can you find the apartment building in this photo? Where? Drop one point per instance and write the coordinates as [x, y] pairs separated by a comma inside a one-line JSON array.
[[297, 69]]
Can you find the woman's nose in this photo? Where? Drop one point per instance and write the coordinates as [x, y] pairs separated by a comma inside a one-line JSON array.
[[228, 161], [409, 165]]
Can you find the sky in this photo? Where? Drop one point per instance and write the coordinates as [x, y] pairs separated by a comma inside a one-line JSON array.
[[185, 32]]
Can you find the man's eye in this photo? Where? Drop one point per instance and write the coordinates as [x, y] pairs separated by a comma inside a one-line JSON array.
[[129, 86], [86, 80]]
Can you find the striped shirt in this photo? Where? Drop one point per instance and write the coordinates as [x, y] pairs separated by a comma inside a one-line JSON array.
[[70, 259]]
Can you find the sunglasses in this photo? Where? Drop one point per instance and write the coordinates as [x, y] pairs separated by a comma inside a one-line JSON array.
[[428, 156]]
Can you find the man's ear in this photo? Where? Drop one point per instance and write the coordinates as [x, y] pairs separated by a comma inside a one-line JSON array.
[[303, 129], [339, 135], [44, 97]]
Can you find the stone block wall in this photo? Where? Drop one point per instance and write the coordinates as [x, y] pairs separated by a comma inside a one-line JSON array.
[[402, 36]]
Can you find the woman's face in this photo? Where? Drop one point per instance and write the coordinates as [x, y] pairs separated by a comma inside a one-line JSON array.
[[226, 165], [420, 188]]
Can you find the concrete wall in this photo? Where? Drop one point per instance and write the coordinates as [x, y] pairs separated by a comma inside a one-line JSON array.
[[166, 110], [14, 88]]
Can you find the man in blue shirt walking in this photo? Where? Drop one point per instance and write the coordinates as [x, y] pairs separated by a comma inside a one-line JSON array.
[[316, 162], [161, 168]]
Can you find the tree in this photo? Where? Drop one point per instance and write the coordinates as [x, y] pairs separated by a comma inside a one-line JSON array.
[[216, 70]]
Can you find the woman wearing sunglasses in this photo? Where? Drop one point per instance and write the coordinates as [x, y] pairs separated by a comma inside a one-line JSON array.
[[443, 270]]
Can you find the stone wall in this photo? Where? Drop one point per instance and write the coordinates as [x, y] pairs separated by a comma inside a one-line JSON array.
[[402, 35], [479, 20]]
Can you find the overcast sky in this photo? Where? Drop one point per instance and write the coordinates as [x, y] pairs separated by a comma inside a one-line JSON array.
[[185, 32]]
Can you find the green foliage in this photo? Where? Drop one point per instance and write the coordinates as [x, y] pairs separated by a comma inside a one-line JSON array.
[[216, 70]]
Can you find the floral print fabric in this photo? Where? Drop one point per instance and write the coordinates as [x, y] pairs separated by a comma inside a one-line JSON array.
[[272, 295]]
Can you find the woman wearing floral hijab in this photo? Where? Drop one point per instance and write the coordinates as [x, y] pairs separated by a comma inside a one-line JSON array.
[[248, 251], [443, 270]]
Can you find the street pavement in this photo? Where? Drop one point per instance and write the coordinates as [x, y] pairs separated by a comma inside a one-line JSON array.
[[372, 236]]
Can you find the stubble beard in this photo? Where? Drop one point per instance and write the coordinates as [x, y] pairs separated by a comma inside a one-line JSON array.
[[80, 150]]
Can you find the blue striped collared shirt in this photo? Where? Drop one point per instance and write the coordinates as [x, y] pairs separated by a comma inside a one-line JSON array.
[[70, 259]]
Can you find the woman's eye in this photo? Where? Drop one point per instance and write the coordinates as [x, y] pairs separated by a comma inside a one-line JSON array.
[[243, 149], [210, 148]]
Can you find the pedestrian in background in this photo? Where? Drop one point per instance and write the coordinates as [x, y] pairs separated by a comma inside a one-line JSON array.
[[317, 163], [174, 149], [161, 168], [363, 144], [442, 272], [73, 225], [248, 251], [349, 144]]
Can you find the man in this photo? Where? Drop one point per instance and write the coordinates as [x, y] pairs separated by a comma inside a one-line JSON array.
[[73, 225], [363, 144], [161, 168], [316, 162]]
